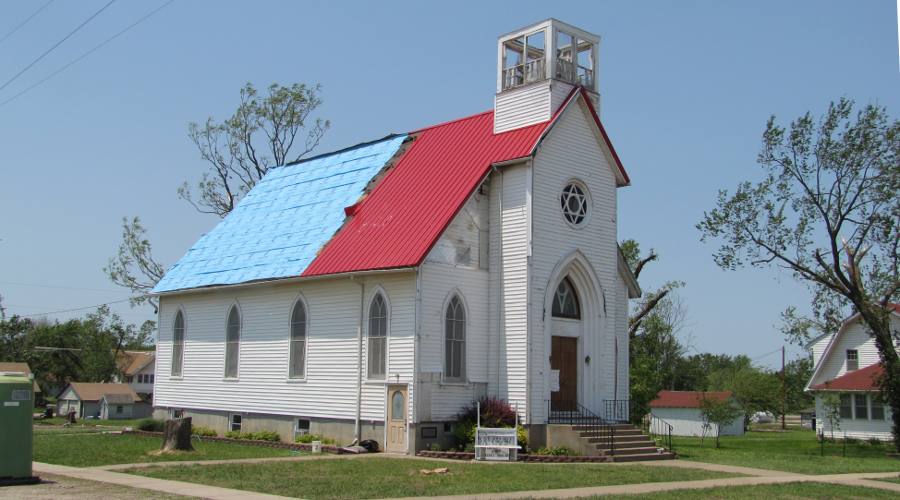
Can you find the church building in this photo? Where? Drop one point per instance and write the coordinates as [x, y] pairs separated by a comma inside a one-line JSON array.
[[374, 291]]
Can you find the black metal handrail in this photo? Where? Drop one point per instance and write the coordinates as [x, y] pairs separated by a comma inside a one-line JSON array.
[[658, 428], [572, 413], [616, 410]]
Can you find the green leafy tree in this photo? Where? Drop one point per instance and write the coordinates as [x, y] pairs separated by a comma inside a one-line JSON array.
[[266, 130], [13, 333], [796, 375], [720, 412], [826, 209], [831, 403], [754, 389]]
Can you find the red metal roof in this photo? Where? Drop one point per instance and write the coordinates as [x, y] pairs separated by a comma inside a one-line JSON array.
[[686, 399], [864, 379], [399, 222]]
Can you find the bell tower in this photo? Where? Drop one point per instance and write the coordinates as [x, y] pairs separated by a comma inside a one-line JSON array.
[[537, 67]]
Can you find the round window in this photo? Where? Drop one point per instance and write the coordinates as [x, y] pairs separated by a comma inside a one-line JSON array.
[[574, 203]]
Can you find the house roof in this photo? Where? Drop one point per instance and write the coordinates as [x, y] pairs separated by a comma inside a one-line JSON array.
[[864, 379], [131, 362], [118, 399], [895, 311], [276, 229], [287, 226], [95, 392], [7, 366], [686, 399]]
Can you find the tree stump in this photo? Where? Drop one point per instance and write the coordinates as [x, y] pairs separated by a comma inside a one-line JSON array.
[[177, 435]]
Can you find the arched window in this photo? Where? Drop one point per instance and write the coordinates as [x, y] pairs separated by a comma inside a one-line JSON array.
[[565, 302], [232, 342], [455, 340], [177, 344], [298, 341], [377, 335]]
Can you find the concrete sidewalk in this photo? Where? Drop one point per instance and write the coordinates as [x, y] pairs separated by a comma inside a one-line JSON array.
[[146, 483]]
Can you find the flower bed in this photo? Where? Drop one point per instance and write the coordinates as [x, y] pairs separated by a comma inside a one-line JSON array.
[[252, 442], [523, 457]]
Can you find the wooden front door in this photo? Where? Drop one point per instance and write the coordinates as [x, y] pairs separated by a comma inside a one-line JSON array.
[[396, 419], [564, 358]]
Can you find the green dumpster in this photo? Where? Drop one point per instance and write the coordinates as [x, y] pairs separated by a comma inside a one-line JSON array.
[[16, 406]]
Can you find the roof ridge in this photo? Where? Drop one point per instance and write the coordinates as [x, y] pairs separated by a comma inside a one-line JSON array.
[[392, 135], [448, 122]]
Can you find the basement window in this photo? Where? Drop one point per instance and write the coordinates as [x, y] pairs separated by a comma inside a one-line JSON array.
[[236, 421]]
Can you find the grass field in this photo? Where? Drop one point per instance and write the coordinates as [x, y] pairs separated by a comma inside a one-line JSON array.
[[769, 492], [377, 477], [792, 451], [83, 449]]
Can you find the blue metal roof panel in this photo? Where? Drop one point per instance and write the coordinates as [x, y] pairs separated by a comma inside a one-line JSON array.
[[278, 227]]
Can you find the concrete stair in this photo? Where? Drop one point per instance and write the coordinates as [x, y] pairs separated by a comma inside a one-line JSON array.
[[629, 443]]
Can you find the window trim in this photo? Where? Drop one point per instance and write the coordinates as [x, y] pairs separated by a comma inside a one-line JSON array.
[[231, 421], [237, 375], [300, 299], [180, 374], [463, 379], [589, 203], [379, 290]]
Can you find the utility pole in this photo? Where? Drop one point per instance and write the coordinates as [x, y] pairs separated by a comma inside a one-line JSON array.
[[783, 391]]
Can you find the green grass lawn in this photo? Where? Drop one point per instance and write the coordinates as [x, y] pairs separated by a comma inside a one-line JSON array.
[[82, 449], [891, 479], [89, 423], [769, 492], [793, 451], [378, 477]]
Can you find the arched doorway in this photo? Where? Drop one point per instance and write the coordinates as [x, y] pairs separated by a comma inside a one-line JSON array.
[[566, 332]]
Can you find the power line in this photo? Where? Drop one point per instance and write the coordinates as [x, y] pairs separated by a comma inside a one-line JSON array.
[[23, 23], [57, 44], [89, 52], [61, 287], [75, 309]]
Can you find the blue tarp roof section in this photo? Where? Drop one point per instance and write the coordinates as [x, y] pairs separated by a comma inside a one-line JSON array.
[[276, 230]]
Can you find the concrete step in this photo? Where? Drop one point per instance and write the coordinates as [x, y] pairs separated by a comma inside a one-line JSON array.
[[623, 440], [636, 450], [666, 455]]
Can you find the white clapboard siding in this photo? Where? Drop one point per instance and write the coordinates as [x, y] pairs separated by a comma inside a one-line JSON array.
[[853, 427], [513, 269], [570, 151], [329, 390], [621, 320], [817, 348], [854, 336], [495, 291], [522, 106]]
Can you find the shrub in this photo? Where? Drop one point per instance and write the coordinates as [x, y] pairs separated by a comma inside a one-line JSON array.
[[233, 434], [309, 438], [875, 442], [555, 451], [199, 430], [495, 412], [263, 436], [151, 425], [522, 438], [435, 447]]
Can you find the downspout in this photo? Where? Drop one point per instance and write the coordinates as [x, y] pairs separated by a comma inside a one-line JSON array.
[[500, 294], [357, 429]]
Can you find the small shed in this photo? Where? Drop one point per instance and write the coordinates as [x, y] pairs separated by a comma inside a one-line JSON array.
[[95, 400], [681, 410]]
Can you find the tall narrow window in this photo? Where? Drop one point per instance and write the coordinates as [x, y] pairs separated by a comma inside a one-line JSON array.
[[178, 344], [455, 340], [377, 335], [846, 409], [298, 341], [232, 343], [877, 407], [852, 360], [860, 401], [565, 301]]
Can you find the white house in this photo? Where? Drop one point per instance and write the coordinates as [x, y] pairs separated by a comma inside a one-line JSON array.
[[681, 410], [138, 369], [846, 370], [372, 292]]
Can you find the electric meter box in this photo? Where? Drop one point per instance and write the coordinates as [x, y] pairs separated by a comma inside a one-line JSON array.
[[16, 435]]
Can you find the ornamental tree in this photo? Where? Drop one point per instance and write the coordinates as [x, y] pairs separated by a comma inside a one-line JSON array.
[[826, 210]]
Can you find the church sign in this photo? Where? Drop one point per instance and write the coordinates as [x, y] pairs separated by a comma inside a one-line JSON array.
[[499, 444]]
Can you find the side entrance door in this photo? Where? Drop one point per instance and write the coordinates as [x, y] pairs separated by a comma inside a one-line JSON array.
[[397, 419], [564, 358]]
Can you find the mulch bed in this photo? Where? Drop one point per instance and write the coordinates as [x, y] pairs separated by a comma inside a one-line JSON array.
[[326, 448], [523, 457]]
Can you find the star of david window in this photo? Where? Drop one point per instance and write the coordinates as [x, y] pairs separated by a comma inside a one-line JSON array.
[[574, 203]]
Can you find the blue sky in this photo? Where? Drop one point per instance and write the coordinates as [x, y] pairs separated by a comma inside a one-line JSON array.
[[686, 87]]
